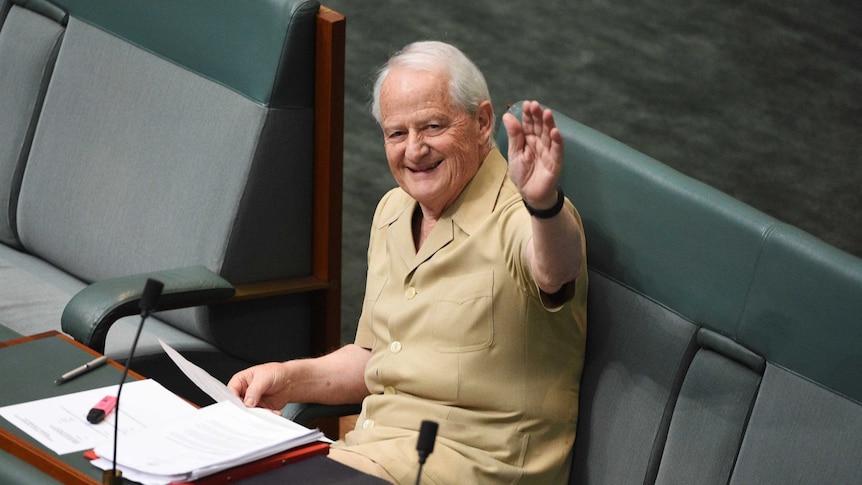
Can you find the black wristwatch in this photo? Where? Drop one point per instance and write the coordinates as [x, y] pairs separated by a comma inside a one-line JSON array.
[[551, 212]]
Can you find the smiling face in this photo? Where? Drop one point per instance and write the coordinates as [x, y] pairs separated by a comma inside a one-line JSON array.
[[434, 146]]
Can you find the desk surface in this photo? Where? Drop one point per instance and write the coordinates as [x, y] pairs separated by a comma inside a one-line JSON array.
[[30, 365]]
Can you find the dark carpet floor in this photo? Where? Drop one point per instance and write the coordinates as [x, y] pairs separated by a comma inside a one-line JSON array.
[[762, 100]]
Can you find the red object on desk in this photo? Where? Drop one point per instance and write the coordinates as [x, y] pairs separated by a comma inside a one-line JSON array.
[[263, 465]]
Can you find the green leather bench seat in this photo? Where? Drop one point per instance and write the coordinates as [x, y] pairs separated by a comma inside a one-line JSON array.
[[723, 344], [166, 138]]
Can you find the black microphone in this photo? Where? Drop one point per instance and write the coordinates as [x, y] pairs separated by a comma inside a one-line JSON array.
[[149, 299], [425, 444]]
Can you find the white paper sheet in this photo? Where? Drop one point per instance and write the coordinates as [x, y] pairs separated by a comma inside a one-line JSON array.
[[209, 384], [60, 423]]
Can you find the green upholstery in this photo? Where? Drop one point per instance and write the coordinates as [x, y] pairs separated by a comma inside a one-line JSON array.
[[241, 45], [94, 309], [716, 261], [679, 241], [174, 140], [45, 8], [165, 138], [804, 310], [719, 336], [29, 41]]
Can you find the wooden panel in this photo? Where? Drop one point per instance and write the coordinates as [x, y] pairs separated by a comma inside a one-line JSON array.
[[328, 174]]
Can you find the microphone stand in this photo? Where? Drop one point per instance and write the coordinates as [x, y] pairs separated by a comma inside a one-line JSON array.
[[149, 298]]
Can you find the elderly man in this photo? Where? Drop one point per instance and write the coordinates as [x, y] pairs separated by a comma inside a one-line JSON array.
[[475, 302]]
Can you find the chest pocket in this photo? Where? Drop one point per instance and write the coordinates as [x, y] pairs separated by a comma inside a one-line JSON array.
[[463, 314]]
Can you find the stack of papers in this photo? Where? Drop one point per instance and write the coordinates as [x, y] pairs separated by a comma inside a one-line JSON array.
[[162, 438], [212, 439]]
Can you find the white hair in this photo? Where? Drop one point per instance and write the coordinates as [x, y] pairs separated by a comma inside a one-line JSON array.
[[467, 85]]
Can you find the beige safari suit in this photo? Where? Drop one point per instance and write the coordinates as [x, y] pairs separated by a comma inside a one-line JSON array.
[[459, 335]]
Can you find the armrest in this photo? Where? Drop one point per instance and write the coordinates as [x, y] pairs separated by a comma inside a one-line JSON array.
[[90, 313], [305, 413]]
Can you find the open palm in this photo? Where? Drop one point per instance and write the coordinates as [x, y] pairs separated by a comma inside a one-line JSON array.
[[535, 154]]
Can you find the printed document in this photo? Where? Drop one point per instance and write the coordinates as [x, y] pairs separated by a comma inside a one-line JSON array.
[[60, 423]]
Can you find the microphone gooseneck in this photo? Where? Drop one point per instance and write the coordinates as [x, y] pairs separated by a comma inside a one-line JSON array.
[[149, 299], [425, 444]]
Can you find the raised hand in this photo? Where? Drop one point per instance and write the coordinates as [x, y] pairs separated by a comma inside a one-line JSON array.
[[535, 154]]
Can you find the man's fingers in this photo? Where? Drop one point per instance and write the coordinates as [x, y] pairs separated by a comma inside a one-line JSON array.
[[514, 131], [252, 395], [237, 384], [244, 386]]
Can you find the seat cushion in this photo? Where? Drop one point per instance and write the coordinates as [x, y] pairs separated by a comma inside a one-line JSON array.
[[637, 353], [137, 147], [708, 421], [28, 41], [35, 294], [800, 432]]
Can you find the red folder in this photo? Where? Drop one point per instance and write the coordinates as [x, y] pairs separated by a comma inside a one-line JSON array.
[[253, 468]]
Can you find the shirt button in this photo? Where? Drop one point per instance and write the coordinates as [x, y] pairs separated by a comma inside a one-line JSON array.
[[395, 347], [367, 424], [389, 390], [410, 293]]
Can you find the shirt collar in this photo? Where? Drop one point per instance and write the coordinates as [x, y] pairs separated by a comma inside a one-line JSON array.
[[479, 198]]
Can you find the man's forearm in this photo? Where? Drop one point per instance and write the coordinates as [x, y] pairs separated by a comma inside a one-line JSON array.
[[336, 378], [555, 250]]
